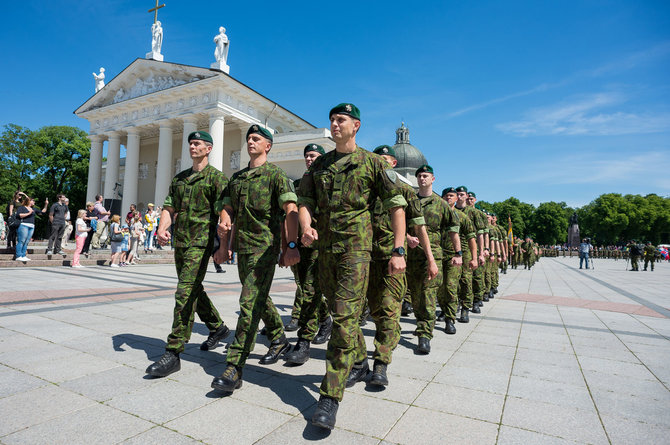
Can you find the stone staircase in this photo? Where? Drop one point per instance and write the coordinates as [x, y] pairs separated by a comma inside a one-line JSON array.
[[96, 258]]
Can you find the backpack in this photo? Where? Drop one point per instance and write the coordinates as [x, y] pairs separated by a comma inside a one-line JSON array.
[[13, 221]]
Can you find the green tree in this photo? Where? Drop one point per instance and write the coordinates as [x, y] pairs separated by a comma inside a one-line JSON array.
[[606, 219], [17, 161], [549, 223]]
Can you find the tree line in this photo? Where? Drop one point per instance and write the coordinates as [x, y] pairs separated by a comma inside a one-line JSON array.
[[54, 159]]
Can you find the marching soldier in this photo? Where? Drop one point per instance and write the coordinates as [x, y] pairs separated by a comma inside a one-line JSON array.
[[254, 200]]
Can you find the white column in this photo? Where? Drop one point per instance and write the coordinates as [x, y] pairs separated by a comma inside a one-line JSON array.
[[216, 130], [164, 165], [132, 170], [190, 126], [244, 154], [94, 167], [112, 170]]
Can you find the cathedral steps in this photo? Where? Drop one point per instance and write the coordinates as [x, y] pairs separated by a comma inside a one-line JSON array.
[[96, 258]]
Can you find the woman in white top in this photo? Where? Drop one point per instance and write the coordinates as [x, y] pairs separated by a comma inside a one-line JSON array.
[[81, 232], [136, 230]]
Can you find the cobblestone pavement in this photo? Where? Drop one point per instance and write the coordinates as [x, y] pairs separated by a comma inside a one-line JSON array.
[[561, 355]]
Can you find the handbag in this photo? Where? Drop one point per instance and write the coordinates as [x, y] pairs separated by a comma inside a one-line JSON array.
[[13, 221], [115, 237]]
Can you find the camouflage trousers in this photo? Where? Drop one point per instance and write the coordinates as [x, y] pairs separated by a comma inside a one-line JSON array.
[[647, 261], [503, 265], [256, 271], [385, 300], [424, 294], [488, 274], [526, 261], [310, 304], [478, 283], [465, 293], [344, 281], [495, 273], [190, 297], [634, 262], [448, 295]]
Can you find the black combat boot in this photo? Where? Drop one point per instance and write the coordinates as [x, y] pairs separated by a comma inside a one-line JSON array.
[[326, 411], [450, 328], [440, 316], [166, 365], [364, 316], [495, 290], [358, 373], [325, 329], [424, 346], [379, 374], [486, 296], [465, 316], [299, 354], [406, 308], [229, 381], [475, 308], [214, 338], [292, 325], [277, 349]]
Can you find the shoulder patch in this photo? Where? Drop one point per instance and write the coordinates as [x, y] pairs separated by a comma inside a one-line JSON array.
[[393, 176]]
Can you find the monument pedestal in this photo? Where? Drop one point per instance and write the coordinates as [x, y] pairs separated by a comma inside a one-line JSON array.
[[221, 66], [155, 56]]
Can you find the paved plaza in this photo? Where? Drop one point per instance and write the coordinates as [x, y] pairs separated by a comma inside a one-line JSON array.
[[560, 356]]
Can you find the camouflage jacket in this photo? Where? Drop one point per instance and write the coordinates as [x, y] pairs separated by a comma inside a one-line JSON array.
[[193, 196], [466, 232], [342, 190], [382, 243], [649, 251], [477, 217], [257, 196], [440, 220]]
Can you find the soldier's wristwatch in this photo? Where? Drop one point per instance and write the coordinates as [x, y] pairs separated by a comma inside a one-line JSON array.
[[459, 253], [292, 245], [399, 250]]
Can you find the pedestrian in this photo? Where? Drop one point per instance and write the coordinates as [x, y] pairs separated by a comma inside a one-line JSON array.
[[195, 218], [116, 238], [136, 231], [91, 221], [254, 200], [26, 213], [649, 255], [585, 249], [68, 226], [80, 236], [340, 188], [149, 227], [57, 215], [12, 208], [102, 214]]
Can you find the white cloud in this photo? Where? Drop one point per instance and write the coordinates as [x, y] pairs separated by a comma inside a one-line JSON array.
[[587, 116], [649, 169]]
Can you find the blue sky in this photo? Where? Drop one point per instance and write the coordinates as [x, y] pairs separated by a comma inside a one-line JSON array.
[[541, 100]]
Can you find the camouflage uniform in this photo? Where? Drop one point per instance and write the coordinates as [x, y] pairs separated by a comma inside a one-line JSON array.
[[387, 292], [528, 247], [309, 307], [341, 188], [257, 196], [440, 220], [469, 290], [649, 256], [449, 296], [193, 196], [495, 275]]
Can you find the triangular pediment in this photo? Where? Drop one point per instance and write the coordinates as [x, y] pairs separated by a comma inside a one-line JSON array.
[[142, 77]]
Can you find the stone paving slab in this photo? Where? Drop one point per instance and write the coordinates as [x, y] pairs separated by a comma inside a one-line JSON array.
[[561, 355]]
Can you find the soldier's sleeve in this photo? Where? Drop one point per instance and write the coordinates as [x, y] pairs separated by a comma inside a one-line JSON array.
[[453, 220], [306, 192], [470, 231], [480, 225], [284, 189], [169, 199], [225, 198], [413, 212], [388, 186]]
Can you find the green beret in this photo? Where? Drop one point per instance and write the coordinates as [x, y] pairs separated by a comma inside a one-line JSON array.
[[262, 131], [425, 168], [313, 147], [472, 194], [448, 190], [201, 136], [462, 188], [384, 150], [348, 109]]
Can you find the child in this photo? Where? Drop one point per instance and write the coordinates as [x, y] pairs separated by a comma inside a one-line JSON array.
[[81, 233]]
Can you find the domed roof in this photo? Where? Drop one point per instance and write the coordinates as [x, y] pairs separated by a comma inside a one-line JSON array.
[[409, 157]]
